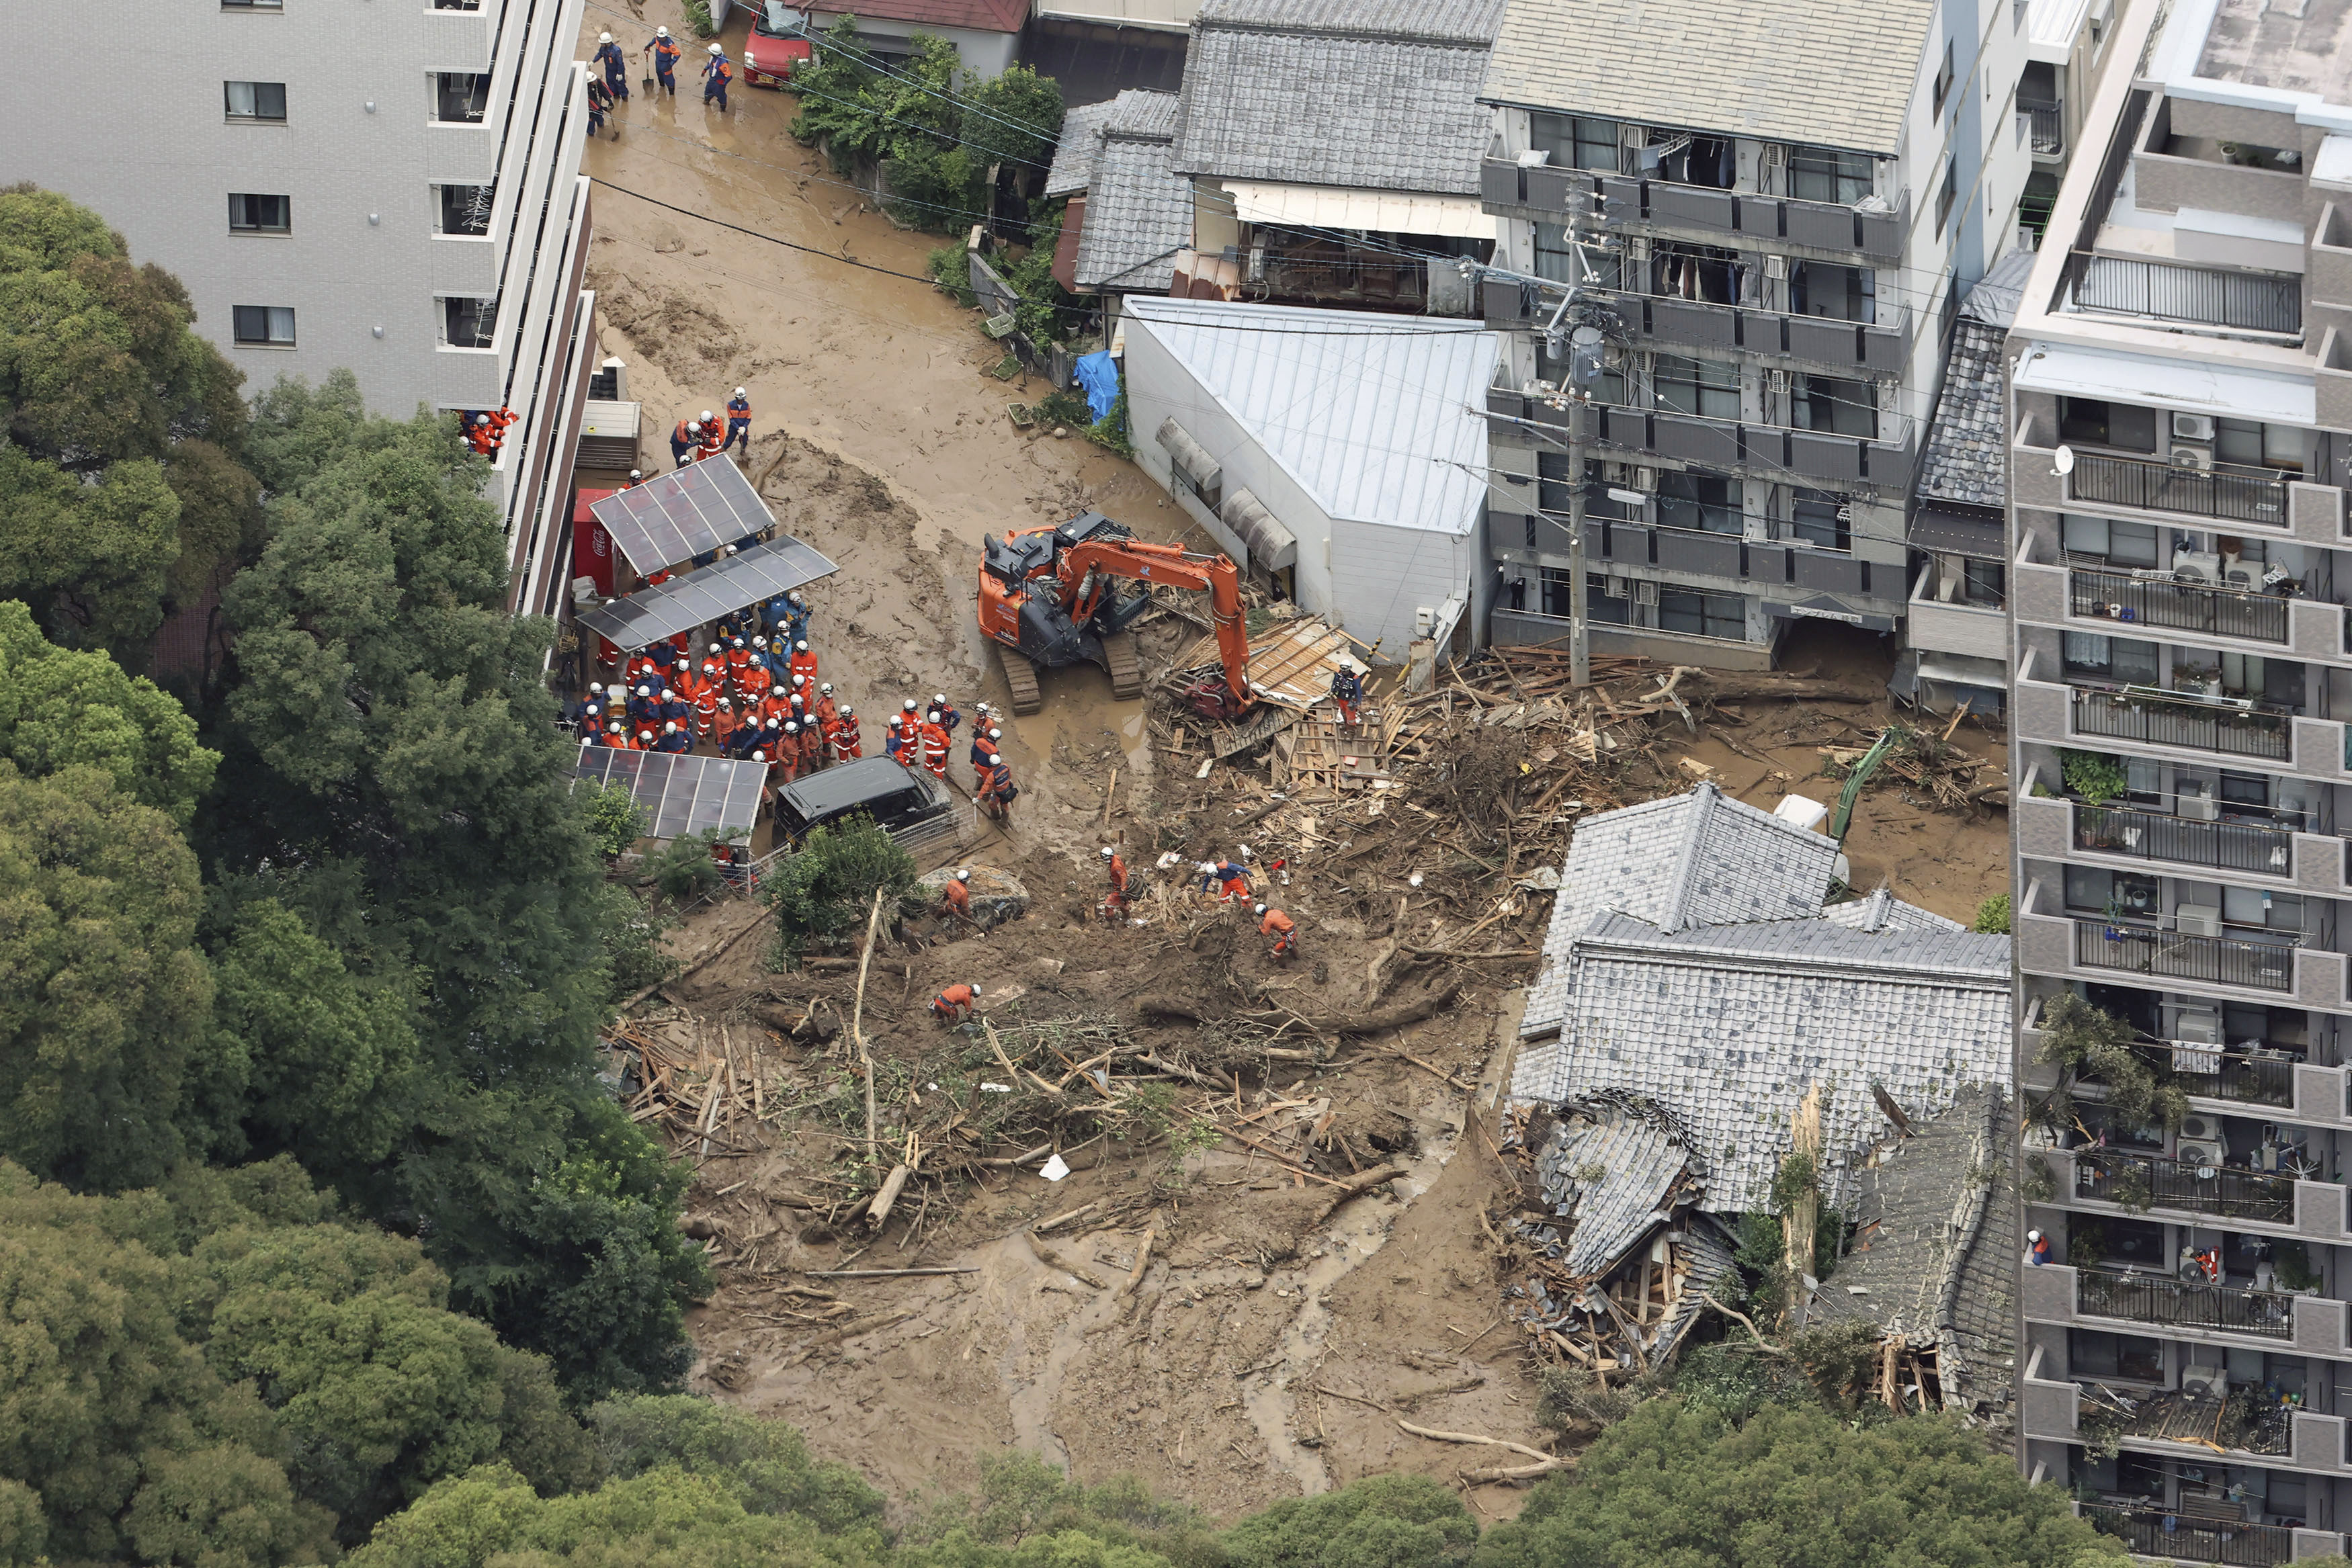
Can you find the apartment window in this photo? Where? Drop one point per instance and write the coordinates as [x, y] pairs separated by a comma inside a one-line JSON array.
[[1723, 615], [259, 215], [461, 97], [2251, 444], [1574, 141], [2120, 660], [1680, 270], [1555, 489], [2121, 895], [2122, 425], [255, 99], [2093, 1353], [1826, 175], [1711, 161], [1556, 591], [1556, 259], [1840, 293], [1949, 193], [1984, 582], [1834, 404], [252, 5], [1819, 519], [470, 323], [1603, 610], [1944, 80], [1709, 388], [1703, 503], [264, 325], [466, 209]]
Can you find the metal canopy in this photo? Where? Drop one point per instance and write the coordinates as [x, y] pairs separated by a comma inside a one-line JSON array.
[[1271, 546], [682, 794], [679, 515], [698, 596]]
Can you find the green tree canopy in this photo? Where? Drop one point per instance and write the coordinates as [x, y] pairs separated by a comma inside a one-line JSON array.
[[119, 475], [61, 708], [1012, 118], [1380, 1521], [1793, 1487], [103, 995]]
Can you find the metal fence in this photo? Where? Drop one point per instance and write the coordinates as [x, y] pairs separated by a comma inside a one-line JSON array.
[[2210, 297], [2255, 1080], [2183, 1303], [2154, 1533], [2235, 732], [2143, 1181], [2216, 960], [2184, 840], [2049, 133], [2240, 494], [2190, 607]]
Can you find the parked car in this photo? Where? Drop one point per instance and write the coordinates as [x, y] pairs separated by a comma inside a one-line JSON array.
[[777, 44], [906, 804]]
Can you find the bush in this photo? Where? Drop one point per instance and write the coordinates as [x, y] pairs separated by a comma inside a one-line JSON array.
[[616, 820], [823, 891], [952, 274], [1110, 431], [1992, 916], [2093, 776], [698, 16]]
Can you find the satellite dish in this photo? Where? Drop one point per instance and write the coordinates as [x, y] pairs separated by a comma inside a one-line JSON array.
[[2061, 462]]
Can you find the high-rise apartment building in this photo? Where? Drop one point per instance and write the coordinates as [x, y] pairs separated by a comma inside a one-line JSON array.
[[2178, 420], [388, 186], [1782, 204]]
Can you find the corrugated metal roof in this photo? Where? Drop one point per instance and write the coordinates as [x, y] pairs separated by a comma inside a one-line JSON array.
[[1790, 71], [1371, 414]]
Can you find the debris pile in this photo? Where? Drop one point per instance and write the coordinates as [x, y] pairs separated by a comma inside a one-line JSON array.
[[1613, 1274]]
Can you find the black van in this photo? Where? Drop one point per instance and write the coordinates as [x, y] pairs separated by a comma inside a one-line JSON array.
[[903, 803]]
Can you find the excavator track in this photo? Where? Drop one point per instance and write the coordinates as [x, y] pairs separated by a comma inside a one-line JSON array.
[[1022, 676], [1126, 667]]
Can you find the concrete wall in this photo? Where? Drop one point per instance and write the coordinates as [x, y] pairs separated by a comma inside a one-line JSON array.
[[360, 158], [983, 55]]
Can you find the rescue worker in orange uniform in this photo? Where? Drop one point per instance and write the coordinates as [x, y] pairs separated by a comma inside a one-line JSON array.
[[787, 756], [713, 439], [683, 441], [955, 896], [847, 744], [1117, 867], [813, 746], [1274, 922], [803, 663], [955, 1004], [933, 738]]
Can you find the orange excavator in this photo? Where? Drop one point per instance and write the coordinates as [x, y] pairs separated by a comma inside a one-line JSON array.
[[1049, 598]]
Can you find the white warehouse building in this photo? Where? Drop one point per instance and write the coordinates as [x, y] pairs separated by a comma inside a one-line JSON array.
[[1338, 456], [392, 186]]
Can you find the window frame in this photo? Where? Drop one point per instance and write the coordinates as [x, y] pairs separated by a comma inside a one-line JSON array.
[[451, 304], [1836, 401], [1672, 504], [1828, 533], [1942, 91], [1708, 382], [1579, 136], [1714, 610], [284, 226], [269, 315], [256, 116], [1947, 194], [1839, 168]]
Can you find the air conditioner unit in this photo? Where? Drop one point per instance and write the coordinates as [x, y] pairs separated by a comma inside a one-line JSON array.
[[1779, 383], [1645, 593], [1775, 154], [2204, 1382], [1424, 619], [2199, 807], [1645, 480], [2192, 427], [2198, 920], [2198, 1026], [2193, 456], [2201, 1142], [1257, 264], [1775, 267], [1613, 588]]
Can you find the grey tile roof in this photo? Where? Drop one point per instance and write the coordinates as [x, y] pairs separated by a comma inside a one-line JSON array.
[[1967, 458], [1697, 859], [1138, 111], [1932, 1256], [1882, 910], [1792, 70], [1364, 108], [1614, 1172], [1458, 21], [1139, 215]]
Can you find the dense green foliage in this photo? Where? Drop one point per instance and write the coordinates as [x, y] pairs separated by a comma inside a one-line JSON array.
[[1992, 915], [2085, 1042], [120, 477], [824, 890]]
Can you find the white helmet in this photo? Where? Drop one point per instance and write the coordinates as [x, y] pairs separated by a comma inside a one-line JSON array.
[[825, 690], [613, 728], [940, 698], [661, 32], [716, 50], [848, 712], [996, 734], [791, 726], [758, 756], [792, 596], [637, 472], [907, 707], [2033, 1236], [739, 390], [644, 691], [1106, 852], [715, 648], [644, 735], [706, 413], [604, 38], [758, 641], [594, 687], [668, 696], [1208, 866], [975, 990], [670, 728], [995, 760], [1259, 910], [963, 876], [800, 646]]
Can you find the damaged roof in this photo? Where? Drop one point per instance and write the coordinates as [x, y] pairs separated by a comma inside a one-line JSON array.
[[1932, 1253], [1691, 961], [1394, 105], [1614, 1172], [1966, 459]]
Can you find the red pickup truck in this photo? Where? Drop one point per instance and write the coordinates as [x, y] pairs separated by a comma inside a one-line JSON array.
[[777, 44]]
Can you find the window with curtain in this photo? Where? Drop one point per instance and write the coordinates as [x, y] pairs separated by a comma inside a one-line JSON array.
[[1575, 141], [259, 215], [264, 325], [1826, 175], [255, 99]]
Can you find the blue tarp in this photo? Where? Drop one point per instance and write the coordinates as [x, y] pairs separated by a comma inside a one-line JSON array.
[[1098, 376]]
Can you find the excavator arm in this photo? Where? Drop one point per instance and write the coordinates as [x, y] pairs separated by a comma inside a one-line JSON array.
[[1213, 574]]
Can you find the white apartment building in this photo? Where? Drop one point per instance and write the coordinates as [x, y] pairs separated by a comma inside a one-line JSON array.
[[388, 186], [1786, 200]]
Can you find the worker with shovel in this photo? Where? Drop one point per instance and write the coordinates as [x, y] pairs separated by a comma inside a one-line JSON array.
[[665, 53]]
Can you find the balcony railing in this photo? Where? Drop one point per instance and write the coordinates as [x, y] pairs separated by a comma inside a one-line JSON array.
[[2049, 130], [2146, 1181], [2267, 1079], [2185, 606], [2184, 1303], [2154, 1533], [2200, 295], [2216, 960], [2184, 840], [2224, 490], [2159, 720]]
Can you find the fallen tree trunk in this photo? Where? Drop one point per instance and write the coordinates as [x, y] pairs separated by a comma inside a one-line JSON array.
[[1349, 1187], [1474, 1438], [1397, 1016], [888, 966], [1170, 1008]]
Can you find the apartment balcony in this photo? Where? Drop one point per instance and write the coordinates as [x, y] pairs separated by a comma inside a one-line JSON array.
[[1675, 324], [1955, 625], [2148, 716], [2172, 294], [2252, 495], [458, 36], [2064, 946], [2184, 1537], [2107, 601], [2047, 127], [2127, 1181], [1550, 195], [2253, 849], [2187, 1310]]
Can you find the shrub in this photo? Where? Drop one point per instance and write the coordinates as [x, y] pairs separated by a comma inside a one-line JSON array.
[[1992, 916]]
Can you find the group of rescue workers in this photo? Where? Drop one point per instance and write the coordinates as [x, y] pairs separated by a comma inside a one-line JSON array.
[[697, 438], [662, 53]]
